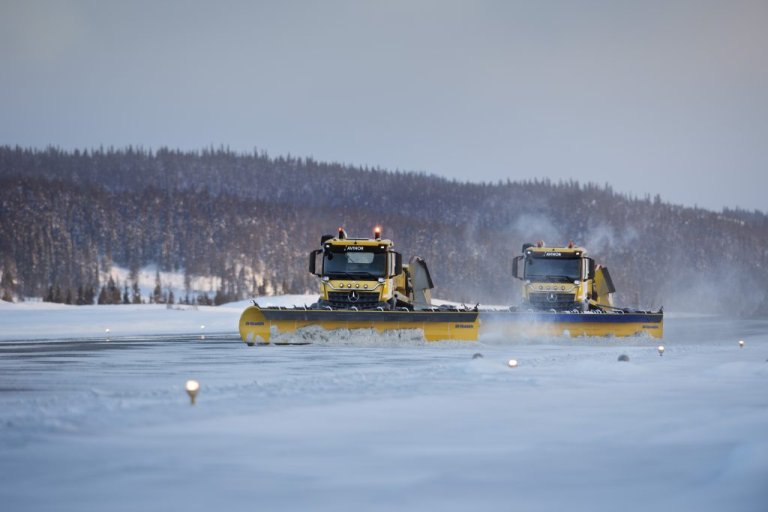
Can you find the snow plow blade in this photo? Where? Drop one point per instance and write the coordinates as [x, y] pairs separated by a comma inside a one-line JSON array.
[[258, 325], [543, 323]]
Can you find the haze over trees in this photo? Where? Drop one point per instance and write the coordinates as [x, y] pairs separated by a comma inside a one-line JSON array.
[[67, 217]]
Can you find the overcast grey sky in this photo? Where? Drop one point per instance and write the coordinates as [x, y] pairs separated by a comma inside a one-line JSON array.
[[666, 97]]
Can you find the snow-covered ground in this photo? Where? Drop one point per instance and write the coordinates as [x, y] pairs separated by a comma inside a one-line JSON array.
[[45, 320], [382, 423]]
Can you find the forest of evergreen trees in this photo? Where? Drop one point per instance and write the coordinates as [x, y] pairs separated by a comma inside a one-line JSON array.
[[67, 217]]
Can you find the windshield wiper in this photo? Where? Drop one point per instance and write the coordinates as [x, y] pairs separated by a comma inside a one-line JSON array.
[[351, 273], [363, 273]]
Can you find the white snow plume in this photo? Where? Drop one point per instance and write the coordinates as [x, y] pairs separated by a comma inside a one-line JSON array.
[[528, 335], [603, 237], [728, 289], [531, 228], [283, 301], [351, 337], [487, 274]]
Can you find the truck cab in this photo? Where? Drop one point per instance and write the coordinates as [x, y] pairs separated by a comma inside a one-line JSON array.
[[367, 273], [562, 279]]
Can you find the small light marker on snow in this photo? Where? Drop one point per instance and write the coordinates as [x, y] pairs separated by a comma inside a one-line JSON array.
[[661, 350], [106, 330], [512, 363], [741, 343], [192, 387], [202, 329]]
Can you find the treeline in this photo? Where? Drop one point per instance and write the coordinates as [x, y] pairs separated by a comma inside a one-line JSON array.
[[113, 293], [67, 217]]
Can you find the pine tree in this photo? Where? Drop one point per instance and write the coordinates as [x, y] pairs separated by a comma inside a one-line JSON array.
[[58, 297], [89, 294], [7, 286], [114, 291], [157, 293], [110, 293], [103, 296], [219, 298], [136, 299]]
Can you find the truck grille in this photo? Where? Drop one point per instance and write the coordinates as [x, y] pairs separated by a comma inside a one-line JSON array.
[[360, 300], [552, 300]]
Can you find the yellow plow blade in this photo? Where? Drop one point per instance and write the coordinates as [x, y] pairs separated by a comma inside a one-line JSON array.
[[523, 323], [258, 325]]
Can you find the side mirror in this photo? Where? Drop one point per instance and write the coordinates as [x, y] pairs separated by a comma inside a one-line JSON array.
[[313, 261], [398, 264], [516, 267]]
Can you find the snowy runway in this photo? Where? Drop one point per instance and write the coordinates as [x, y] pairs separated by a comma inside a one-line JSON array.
[[89, 424]]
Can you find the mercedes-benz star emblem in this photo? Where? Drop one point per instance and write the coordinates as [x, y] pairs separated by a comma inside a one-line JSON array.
[[353, 296], [552, 297]]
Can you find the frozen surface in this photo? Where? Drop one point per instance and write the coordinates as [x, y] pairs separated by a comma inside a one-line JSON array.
[[45, 320], [355, 422]]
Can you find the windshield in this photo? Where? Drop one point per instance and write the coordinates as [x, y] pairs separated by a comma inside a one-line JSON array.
[[553, 269], [363, 265]]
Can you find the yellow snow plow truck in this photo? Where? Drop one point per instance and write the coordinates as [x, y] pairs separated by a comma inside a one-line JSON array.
[[367, 274], [364, 285], [562, 279], [565, 292]]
